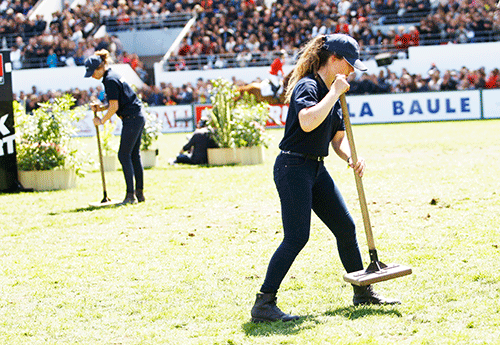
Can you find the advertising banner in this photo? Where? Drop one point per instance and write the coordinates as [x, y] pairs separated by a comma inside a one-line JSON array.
[[387, 108], [174, 118], [415, 107], [400, 107], [8, 161], [491, 104]]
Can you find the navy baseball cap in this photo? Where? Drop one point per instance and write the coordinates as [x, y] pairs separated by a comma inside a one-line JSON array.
[[346, 46], [91, 64]]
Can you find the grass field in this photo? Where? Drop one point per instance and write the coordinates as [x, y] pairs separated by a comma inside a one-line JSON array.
[[184, 267]]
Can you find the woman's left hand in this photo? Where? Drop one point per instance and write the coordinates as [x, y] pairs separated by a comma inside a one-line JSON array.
[[359, 167], [97, 121]]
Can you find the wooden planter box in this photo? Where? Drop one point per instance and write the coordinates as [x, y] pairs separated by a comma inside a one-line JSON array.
[[148, 158], [48, 179], [240, 155], [221, 156], [250, 155]]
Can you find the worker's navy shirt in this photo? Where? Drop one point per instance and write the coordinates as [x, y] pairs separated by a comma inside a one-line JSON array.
[[118, 89], [309, 91]]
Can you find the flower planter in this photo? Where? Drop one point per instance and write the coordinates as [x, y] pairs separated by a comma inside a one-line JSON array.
[[148, 158], [240, 155], [109, 163], [48, 179], [221, 156], [250, 155]]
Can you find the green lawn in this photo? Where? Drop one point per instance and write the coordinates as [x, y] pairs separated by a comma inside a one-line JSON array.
[[184, 267]]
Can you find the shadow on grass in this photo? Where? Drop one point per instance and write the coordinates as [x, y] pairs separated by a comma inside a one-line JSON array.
[[353, 313], [283, 328], [88, 209]]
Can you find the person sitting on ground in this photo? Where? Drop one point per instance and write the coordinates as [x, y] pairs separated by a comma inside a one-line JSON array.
[[195, 151]]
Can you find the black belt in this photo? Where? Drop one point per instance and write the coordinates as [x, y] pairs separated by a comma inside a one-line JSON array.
[[311, 157]]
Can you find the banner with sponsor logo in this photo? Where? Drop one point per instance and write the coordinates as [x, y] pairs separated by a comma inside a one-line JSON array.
[[174, 118], [8, 159], [415, 107], [491, 104], [401, 107]]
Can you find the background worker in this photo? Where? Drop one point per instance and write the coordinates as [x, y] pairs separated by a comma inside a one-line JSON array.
[[314, 121], [123, 102], [195, 151]]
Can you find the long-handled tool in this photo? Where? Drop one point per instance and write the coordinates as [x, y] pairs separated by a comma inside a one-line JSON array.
[[376, 271], [105, 201]]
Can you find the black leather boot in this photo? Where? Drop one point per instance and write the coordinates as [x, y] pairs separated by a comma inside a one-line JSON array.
[[139, 193], [265, 309], [275, 90], [129, 199], [366, 295]]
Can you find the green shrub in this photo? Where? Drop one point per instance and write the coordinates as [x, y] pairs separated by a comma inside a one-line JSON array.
[[236, 121], [44, 138]]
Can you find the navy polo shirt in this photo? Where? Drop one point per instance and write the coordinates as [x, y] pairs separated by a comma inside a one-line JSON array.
[[309, 91], [118, 89]]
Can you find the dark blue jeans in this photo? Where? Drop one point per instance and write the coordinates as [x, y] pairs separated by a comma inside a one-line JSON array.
[[129, 152], [304, 185]]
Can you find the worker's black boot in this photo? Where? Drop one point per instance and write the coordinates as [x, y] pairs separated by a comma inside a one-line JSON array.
[[139, 193], [366, 295], [129, 199], [265, 309]]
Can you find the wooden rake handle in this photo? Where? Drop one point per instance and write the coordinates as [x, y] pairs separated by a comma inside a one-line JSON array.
[[359, 182], [101, 163]]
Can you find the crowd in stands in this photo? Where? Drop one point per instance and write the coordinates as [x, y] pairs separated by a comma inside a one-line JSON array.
[[248, 31], [244, 33], [230, 34], [68, 37]]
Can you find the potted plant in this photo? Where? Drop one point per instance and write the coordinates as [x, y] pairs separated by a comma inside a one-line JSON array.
[[150, 134], [47, 155], [238, 124], [221, 125], [249, 131], [108, 147]]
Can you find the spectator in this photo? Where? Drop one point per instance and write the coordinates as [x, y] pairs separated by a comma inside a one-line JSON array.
[[141, 72], [186, 95], [52, 59], [481, 79], [435, 81], [168, 96], [15, 57], [156, 96], [184, 48], [492, 81], [448, 83], [402, 39], [421, 84]]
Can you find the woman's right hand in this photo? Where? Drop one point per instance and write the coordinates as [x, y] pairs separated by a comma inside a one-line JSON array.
[[95, 107], [340, 85]]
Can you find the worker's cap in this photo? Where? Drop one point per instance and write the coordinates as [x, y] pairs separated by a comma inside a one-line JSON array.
[[346, 46], [91, 64]]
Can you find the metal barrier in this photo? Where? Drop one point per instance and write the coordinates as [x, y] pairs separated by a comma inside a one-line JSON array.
[[155, 21]]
